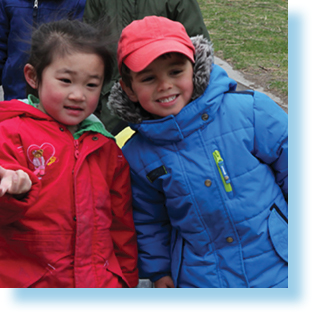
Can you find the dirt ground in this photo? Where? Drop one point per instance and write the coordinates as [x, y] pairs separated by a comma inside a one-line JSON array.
[[261, 80]]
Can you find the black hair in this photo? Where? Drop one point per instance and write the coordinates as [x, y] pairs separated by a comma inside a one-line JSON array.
[[67, 36], [125, 75]]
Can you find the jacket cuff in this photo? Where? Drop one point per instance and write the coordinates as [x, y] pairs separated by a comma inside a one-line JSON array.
[[158, 276], [132, 278], [15, 208]]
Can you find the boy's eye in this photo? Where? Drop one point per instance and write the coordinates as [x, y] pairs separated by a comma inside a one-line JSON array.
[[176, 71], [147, 79]]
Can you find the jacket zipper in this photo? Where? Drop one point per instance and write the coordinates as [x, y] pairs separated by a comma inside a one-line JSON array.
[[76, 148], [222, 171], [75, 216], [35, 7]]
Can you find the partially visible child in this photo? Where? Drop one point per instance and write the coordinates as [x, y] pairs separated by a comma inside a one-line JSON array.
[[16, 19], [209, 165], [65, 196]]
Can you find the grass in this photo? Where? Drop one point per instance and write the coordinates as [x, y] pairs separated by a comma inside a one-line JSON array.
[[252, 36]]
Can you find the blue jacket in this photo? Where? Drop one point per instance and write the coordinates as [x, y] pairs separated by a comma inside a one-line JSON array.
[[17, 17], [210, 188]]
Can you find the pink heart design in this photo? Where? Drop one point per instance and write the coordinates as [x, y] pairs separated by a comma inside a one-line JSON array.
[[46, 149]]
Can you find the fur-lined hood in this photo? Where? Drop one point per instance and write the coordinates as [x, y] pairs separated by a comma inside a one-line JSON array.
[[120, 105]]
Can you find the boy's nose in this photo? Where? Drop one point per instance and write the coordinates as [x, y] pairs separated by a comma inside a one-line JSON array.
[[164, 85]]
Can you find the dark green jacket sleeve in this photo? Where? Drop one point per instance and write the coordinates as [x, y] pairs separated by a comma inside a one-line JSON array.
[[189, 14], [93, 11], [125, 11]]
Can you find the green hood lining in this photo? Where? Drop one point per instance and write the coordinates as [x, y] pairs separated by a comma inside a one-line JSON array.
[[91, 123]]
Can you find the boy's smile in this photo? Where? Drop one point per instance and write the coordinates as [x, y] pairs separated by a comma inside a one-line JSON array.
[[165, 86]]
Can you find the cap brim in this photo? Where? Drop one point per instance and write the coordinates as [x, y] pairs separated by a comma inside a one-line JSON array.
[[142, 57]]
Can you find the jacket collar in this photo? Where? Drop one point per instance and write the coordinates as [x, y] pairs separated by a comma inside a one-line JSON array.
[[10, 109], [193, 116]]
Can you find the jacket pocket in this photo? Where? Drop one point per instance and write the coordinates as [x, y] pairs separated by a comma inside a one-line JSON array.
[[278, 229], [113, 277]]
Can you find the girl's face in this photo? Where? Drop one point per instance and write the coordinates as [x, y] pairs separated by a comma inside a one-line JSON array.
[[70, 88], [164, 87]]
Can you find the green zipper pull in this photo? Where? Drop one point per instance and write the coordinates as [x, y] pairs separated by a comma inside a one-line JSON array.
[[222, 170]]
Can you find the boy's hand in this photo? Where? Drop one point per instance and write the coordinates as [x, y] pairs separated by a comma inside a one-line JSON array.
[[14, 182], [165, 282]]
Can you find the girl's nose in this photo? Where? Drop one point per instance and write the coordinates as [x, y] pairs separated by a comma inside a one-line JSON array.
[[77, 94]]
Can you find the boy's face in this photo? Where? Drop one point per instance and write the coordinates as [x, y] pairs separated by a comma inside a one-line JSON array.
[[71, 87], [165, 86]]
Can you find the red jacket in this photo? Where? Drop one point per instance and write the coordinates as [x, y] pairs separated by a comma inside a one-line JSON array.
[[75, 226]]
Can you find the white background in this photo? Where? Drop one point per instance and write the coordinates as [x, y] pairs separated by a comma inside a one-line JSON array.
[[302, 298]]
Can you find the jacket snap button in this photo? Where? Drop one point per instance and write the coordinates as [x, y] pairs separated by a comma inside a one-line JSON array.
[[204, 116], [95, 138], [208, 182], [61, 129], [229, 239], [74, 218]]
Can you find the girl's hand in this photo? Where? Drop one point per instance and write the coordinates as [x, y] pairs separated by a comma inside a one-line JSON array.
[[14, 182], [165, 282]]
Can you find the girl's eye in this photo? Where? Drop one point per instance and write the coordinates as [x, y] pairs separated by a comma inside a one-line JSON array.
[[65, 80], [92, 85]]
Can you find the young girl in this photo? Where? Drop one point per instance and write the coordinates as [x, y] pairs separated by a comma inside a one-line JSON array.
[[65, 197]]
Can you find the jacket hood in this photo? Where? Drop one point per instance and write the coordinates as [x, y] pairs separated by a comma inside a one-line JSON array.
[[15, 108], [120, 105], [27, 108]]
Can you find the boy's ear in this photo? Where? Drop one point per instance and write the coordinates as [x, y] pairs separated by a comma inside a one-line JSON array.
[[130, 93], [30, 76]]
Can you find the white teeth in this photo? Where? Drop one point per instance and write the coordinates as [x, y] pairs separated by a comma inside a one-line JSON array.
[[169, 99]]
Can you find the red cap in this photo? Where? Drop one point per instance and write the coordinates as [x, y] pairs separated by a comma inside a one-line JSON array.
[[142, 41]]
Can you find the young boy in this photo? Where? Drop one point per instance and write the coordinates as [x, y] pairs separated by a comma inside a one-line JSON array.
[[209, 165], [123, 12]]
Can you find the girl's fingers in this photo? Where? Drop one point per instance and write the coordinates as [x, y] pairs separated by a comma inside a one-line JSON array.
[[22, 181], [5, 181], [14, 182]]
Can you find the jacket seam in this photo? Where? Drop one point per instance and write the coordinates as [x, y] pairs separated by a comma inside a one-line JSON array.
[[222, 200], [94, 221], [228, 212], [255, 256], [261, 212]]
